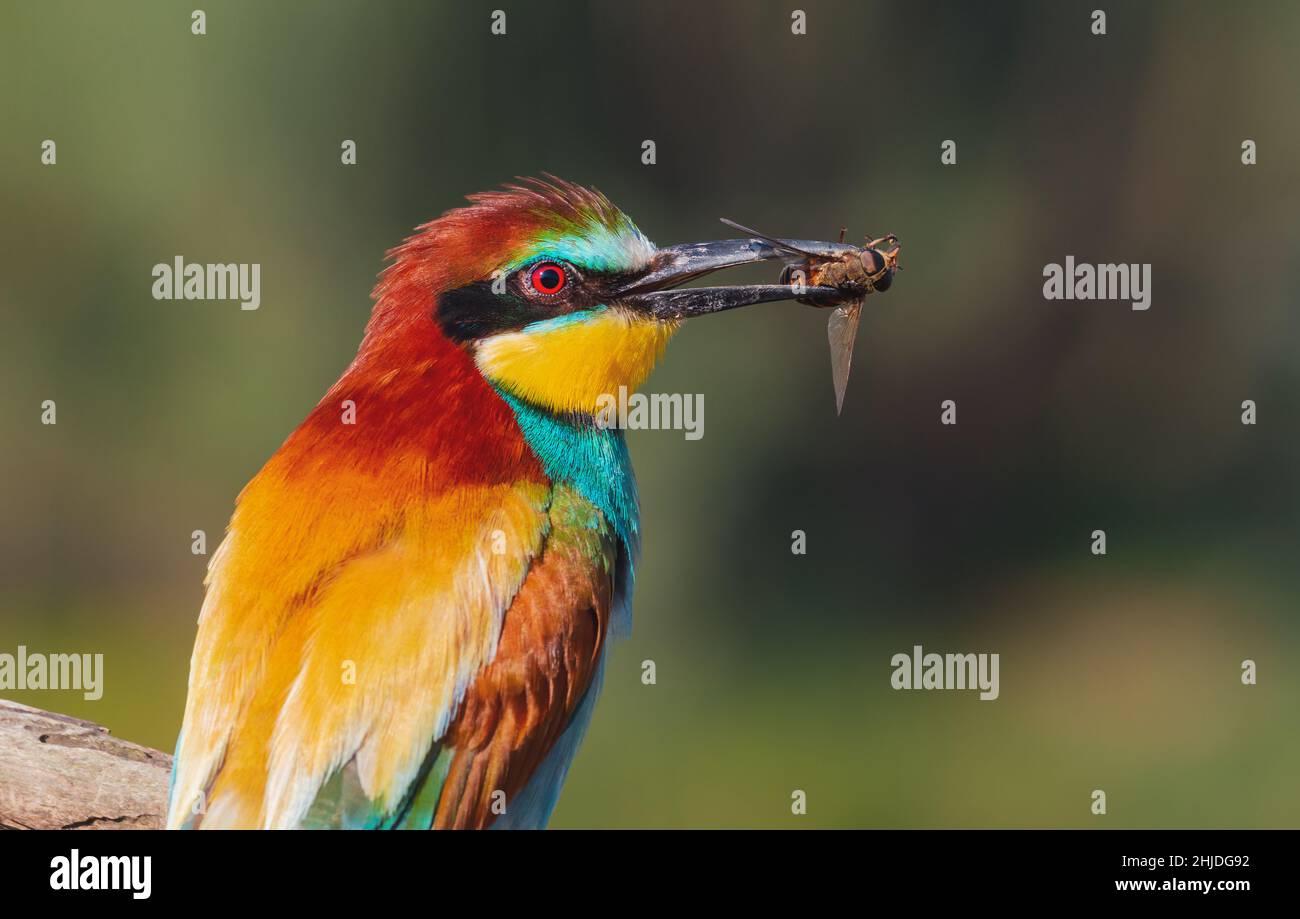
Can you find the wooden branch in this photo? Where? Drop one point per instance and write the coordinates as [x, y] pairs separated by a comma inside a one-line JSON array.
[[58, 772]]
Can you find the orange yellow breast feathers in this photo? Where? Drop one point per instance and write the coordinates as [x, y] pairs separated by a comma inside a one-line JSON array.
[[317, 638], [364, 666]]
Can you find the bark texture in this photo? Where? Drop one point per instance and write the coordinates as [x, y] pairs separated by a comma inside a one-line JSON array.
[[58, 772]]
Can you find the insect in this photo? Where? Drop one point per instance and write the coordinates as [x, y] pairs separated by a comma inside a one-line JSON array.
[[856, 272]]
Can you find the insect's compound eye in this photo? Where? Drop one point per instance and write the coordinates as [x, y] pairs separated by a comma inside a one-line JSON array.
[[548, 278], [883, 284]]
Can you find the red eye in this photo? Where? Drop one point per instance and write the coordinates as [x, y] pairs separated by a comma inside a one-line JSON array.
[[548, 278]]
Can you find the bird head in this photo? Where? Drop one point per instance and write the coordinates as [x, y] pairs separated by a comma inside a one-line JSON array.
[[555, 294]]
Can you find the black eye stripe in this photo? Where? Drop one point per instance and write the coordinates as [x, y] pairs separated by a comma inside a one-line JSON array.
[[477, 311]]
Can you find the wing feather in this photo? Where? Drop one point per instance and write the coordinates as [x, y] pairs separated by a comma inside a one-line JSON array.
[[545, 670], [370, 665]]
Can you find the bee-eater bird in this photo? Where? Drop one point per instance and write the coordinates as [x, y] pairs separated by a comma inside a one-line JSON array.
[[406, 623]]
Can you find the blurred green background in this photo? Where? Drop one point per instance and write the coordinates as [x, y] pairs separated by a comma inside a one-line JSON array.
[[1120, 673]]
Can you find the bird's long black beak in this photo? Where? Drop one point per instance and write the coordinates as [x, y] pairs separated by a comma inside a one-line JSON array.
[[653, 291]]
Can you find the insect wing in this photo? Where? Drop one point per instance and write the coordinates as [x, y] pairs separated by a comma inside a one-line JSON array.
[[842, 330]]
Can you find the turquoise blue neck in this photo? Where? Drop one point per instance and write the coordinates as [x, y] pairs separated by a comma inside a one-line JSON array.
[[593, 460]]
